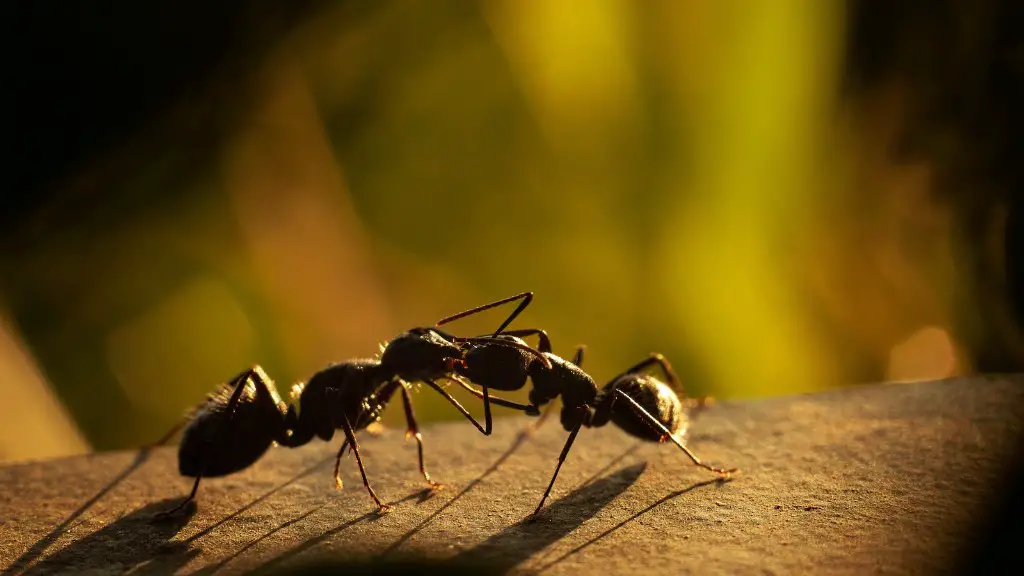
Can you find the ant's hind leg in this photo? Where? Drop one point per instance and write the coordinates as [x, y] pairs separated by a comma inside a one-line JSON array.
[[237, 386], [695, 405], [231, 386], [654, 423], [188, 500], [577, 358], [662, 362], [414, 431], [191, 412], [350, 437]]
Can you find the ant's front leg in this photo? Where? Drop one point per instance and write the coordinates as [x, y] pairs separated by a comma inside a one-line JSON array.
[[582, 413], [654, 423], [484, 429], [577, 359], [414, 431], [533, 426]]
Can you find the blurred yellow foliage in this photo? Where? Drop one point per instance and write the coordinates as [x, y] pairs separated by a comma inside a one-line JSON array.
[[672, 176]]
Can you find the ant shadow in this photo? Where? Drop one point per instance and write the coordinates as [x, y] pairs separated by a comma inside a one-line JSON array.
[[519, 440], [514, 545], [413, 564], [37, 549], [313, 468], [273, 565], [595, 539], [218, 566], [522, 437], [130, 543], [140, 536]]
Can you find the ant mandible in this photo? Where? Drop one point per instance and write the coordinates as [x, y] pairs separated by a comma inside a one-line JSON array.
[[636, 401], [240, 419]]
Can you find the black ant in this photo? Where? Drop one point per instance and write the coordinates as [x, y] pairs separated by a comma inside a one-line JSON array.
[[239, 421], [654, 410]]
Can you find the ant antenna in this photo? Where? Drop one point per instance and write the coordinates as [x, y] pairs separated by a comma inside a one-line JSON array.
[[526, 298]]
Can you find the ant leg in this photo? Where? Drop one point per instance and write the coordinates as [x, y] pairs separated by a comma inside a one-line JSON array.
[[350, 437], [533, 426], [577, 358], [497, 401], [337, 465], [414, 431], [190, 413], [653, 422], [526, 298], [666, 368], [694, 405], [674, 382], [181, 506], [582, 411], [484, 429], [543, 344], [239, 383]]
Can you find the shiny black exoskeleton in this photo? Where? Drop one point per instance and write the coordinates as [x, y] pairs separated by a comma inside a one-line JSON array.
[[241, 419], [635, 401]]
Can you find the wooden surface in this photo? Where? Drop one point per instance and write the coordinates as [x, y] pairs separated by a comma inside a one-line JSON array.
[[877, 478]]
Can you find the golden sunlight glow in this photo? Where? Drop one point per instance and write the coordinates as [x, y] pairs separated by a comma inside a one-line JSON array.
[[754, 145], [927, 354], [288, 194], [204, 337], [679, 176], [28, 403], [576, 66]]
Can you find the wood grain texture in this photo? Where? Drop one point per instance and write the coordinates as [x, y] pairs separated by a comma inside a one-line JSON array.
[[876, 478]]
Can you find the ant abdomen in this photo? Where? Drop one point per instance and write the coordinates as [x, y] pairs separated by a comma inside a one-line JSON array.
[[652, 395], [212, 448]]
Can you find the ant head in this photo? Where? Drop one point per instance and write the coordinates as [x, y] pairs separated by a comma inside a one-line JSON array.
[[427, 352]]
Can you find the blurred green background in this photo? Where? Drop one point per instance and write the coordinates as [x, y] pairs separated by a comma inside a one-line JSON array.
[[775, 195]]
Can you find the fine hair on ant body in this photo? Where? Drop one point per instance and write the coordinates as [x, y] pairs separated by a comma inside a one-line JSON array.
[[636, 401], [240, 419]]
